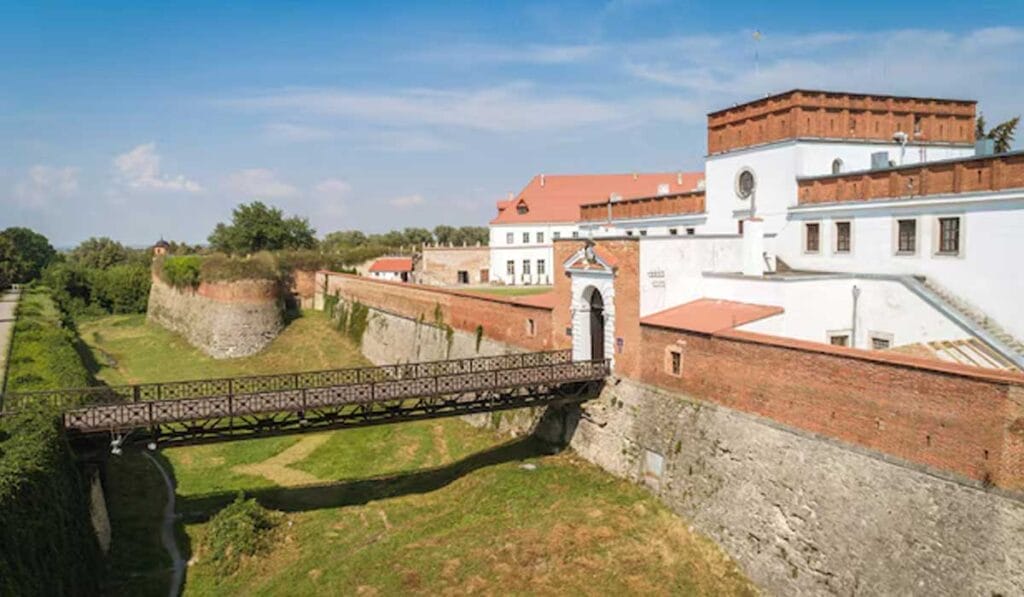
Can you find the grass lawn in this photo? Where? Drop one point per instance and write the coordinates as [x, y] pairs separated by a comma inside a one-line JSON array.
[[425, 508], [510, 290]]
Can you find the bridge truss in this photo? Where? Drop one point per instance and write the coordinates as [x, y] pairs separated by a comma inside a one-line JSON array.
[[235, 408]]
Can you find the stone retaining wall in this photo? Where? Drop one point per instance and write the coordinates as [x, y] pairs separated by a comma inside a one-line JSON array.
[[223, 319], [802, 514]]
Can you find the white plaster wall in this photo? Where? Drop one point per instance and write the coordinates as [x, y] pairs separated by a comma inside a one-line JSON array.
[[605, 284], [502, 251], [777, 166], [671, 268], [814, 307], [390, 276], [985, 275]]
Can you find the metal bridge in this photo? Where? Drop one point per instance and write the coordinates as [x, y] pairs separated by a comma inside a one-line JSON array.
[[236, 408]]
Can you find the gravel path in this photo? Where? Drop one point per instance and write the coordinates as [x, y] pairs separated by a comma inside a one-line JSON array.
[[8, 302]]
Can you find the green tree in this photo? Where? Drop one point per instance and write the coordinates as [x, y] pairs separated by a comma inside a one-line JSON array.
[[415, 237], [343, 239], [257, 227], [1002, 134], [122, 288], [33, 251], [8, 262], [100, 253], [444, 234]]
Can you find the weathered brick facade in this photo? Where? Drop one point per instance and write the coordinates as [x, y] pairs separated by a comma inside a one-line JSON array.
[[644, 207], [501, 319], [990, 173], [827, 115], [441, 266]]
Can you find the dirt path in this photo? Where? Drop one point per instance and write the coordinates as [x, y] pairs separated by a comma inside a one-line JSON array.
[[276, 469], [167, 537]]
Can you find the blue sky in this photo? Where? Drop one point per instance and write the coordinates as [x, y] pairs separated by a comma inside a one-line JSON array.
[[138, 120]]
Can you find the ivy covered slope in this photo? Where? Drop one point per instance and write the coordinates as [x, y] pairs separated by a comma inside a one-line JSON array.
[[47, 546]]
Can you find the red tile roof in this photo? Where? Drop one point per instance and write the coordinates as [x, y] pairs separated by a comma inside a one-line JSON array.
[[709, 316], [560, 197], [392, 264]]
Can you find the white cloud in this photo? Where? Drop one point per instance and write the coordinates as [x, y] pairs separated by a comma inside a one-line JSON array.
[[140, 169], [542, 54], [504, 109], [43, 184], [260, 183], [284, 131], [407, 201]]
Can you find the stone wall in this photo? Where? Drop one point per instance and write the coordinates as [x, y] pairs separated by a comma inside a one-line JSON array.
[[803, 514], [440, 266], [223, 319]]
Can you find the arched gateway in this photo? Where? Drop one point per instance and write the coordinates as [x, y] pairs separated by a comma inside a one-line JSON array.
[[596, 325]]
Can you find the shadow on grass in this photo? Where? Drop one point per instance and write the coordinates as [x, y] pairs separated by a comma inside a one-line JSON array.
[[356, 492]]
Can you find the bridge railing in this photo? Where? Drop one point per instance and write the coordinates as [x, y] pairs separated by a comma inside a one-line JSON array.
[[259, 384]]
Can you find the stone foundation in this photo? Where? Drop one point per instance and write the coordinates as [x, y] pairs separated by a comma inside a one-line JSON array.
[[224, 320]]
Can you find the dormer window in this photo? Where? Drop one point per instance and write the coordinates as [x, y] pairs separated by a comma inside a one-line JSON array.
[[521, 208], [837, 166]]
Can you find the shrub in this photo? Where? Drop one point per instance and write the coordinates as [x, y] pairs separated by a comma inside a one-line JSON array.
[[44, 354], [48, 544], [221, 268], [242, 529], [180, 272]]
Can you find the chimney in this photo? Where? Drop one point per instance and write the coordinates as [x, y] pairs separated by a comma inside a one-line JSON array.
[[542, 180], [635, 176], [510, 195], [679, 178], [753, 247]]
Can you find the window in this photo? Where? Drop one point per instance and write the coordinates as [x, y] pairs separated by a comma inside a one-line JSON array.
[[878, 343], [643, 233], [839, 339], [526, 238], [510, 268], [837, 166], [739, 227], [463, 277], [541, 267], [521, 208], [745, 183], [526, 267], [510, 238], [673, 231], [812, 240], [949, 236], [690, 232], [531, 327], [842, 237], [540, 237], [906, 236], [917, 124], [556, 235], [629, 233], [674, 361], [575, 234]]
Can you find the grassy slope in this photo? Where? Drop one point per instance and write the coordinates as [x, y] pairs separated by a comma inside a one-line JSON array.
[[427, 507]]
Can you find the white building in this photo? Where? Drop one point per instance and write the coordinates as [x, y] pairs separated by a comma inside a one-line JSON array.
[[864, 220], [395, 269], [548, 208]]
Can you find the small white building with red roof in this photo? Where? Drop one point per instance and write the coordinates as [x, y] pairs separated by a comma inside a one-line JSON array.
[[395, 269], [548, 208]]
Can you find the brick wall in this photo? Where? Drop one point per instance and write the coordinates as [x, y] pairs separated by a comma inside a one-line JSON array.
[[959, 419], [990, 173], [502, 320], [646, 207], [840, 116]]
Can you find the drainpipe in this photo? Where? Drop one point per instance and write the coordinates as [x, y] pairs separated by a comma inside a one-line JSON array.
[[853, 324]]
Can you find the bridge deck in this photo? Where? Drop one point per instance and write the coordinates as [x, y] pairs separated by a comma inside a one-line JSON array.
[[213, 409]]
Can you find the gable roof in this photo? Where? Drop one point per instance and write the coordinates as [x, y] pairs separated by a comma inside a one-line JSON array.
[[392, 264], [708, 316], [560, 196]]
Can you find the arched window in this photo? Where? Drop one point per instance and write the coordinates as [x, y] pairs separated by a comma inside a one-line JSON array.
[[837, 166]]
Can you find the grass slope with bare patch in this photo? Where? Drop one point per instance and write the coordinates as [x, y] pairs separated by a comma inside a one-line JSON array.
[[432, 507]]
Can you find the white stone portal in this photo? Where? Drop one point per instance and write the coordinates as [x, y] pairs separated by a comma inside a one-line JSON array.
[[584, 286]]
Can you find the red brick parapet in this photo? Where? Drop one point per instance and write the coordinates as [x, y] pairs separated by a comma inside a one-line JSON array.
[[967, 175], [644, 207], [964, 420], [830, 115]]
